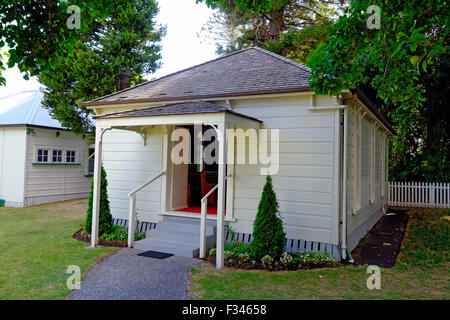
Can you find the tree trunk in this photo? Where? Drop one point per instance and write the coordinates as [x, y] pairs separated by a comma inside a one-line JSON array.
[[276, 19], [123, 80]]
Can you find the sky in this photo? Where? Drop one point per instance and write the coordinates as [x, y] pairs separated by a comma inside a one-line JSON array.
[[182, 48]]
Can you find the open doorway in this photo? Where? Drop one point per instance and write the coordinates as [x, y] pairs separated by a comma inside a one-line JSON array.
[[198, 178]]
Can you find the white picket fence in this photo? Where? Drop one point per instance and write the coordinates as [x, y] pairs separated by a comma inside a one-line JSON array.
[[419, 194]]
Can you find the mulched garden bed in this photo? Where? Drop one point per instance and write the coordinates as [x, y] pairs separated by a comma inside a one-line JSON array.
[[382, 244], [254, 265], [85, 237]]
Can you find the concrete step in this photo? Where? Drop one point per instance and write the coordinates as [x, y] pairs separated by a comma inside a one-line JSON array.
[[182, 228], [179, 236]]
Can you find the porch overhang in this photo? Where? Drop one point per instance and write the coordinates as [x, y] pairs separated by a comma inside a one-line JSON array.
[[198, 113], [177, 114]]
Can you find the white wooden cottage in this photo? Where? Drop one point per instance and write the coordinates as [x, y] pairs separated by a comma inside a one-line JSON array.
[[40, 161], [331, 180]]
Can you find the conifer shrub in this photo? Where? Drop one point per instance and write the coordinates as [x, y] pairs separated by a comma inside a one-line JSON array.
[[105, 225], [268, 236]]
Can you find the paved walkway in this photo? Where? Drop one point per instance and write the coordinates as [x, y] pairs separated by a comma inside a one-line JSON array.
[[382, 243], [125, 275]]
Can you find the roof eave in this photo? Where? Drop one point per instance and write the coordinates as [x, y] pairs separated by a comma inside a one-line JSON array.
[[33, 126], [372, 108], [187, 98]]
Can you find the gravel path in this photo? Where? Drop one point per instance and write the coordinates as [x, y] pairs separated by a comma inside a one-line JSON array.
[[127, 276]]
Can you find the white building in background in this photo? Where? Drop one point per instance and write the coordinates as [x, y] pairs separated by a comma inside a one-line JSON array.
[[40, 161]]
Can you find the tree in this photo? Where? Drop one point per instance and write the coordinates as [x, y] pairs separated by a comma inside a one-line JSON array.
[[105, 223], [268, 236], [109, 59], [404, 65], [36, 32], [291, 28]]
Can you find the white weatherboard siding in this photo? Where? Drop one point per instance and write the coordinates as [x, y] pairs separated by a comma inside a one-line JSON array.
[[308, 181], [304, 183], [128, 164], [362, 220], [52, 180], [12, 165]]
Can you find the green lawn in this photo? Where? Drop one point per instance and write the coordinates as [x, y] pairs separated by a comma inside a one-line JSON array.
[[36, 247], [421, 272]]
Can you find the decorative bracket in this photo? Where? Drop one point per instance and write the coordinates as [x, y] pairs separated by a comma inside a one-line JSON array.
[[143, 135]]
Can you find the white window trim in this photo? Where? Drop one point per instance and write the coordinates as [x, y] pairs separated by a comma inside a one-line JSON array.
[[49, 155], [372, 161], [357, 163], [75, 157], [383, 166], [88, 157], [50, 150], [62, 155]]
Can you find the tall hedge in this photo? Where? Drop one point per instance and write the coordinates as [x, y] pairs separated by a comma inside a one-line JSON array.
[[268, 236], [105, 224]]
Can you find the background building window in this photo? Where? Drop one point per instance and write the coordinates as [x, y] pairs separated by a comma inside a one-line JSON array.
[[42, 155], [70, 158], [57, 155]]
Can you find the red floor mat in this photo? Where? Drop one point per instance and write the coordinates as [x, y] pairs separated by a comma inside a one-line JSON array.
[[197, 209]]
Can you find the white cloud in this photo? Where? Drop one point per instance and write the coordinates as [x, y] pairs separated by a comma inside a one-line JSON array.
[[181, 47], [16, 83]]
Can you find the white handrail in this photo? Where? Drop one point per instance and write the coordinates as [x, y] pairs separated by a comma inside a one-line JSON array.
[[146, 184], [209, 193], [204, 209], [132, 215]]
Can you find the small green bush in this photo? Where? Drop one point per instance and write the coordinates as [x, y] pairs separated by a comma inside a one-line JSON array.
[[121, 233], [312, 259], [267, 260], [244, 257], [269, 237], [285, 259], [105, 224], [237, 247], [228, 255]]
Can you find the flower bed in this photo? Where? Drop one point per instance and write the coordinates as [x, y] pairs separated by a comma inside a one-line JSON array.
[[237, 255], [117, 238]]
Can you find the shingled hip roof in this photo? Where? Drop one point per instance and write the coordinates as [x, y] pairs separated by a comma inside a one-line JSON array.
[[200, 107], [250, 71]]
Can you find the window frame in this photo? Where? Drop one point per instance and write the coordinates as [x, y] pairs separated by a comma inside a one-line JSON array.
[[71, 157], [48, 152], [357, 141], [373, 151], [42, 155], [58, 156], [383, 166], [90, 157]]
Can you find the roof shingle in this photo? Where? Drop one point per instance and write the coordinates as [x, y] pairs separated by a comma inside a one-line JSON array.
[[249, 71], [175, 109]]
